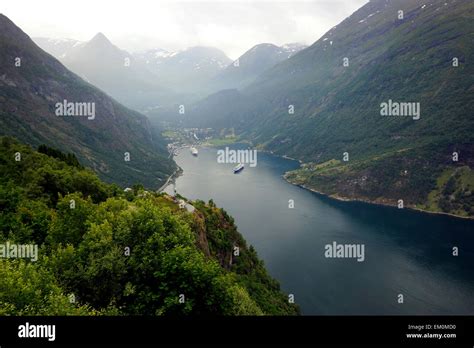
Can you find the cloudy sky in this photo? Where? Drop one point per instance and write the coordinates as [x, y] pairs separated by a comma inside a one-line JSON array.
[[232, 26]]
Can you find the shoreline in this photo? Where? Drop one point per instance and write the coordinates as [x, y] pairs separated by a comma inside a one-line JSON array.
[[337, 197], [209, 144], [176, 174], [346, 199]]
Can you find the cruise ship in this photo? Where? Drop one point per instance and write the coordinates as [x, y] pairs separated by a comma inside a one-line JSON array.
[[238, 168], [194, 151]]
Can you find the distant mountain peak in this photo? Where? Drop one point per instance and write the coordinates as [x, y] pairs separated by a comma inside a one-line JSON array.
[[101, 46], [29, 96], [100, 38], [99, 35], [263, 45], [291, 45], [252, 63]]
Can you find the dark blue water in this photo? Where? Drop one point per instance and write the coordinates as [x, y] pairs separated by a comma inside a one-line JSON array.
[[406, 252]]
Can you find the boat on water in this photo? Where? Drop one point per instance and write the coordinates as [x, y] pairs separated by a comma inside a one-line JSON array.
[[194, 151], [238, 168]]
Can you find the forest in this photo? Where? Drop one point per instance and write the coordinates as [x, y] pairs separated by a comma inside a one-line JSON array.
[[106, 251]]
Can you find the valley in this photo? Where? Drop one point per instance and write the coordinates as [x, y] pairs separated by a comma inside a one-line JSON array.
[[392, 94], [335, 178]]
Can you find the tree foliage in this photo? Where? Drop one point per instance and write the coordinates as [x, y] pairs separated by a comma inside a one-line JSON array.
[[115, 252]]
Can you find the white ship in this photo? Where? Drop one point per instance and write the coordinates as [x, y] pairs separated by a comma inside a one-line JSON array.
[[194, 151], [238, 168]]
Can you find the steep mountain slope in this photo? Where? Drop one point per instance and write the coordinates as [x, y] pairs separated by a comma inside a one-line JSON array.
[[407, 56], [407, 60], [116, 72], [184, 71], [252, 63], [29, 94]]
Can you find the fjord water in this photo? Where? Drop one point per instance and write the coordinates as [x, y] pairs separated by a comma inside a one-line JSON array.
[[406, 252]]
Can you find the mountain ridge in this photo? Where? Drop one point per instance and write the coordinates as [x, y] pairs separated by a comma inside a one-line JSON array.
[[337, 108], [252, 63], [30, 94]]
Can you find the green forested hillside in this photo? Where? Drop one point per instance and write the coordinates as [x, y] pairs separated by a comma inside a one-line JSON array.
[[407, 56], [103, 251], [337, 108], [426, 179]]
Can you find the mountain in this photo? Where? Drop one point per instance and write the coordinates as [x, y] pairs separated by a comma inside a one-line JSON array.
[[58, 48], [116, 72], [34, 87], [152, 57], [252, 63], [184, 71], [220, 92], [390, 56], [147, 81]]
